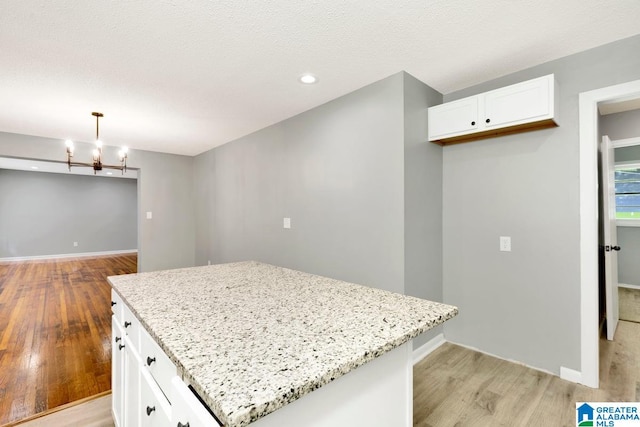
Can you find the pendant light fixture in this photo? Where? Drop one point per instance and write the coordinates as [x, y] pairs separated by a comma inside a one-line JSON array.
[[97, 164]]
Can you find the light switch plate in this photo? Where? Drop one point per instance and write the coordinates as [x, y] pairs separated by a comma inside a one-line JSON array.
[[505, 243], [286, 223], [149, 215]]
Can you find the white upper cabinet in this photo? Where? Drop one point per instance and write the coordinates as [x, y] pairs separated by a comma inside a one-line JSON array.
[[521, 107], [454, 118]]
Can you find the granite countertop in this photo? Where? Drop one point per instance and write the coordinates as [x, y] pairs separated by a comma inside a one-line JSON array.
[[251, 337]]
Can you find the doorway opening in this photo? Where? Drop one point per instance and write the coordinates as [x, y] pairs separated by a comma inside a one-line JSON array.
[[61, 235], [589, 219]]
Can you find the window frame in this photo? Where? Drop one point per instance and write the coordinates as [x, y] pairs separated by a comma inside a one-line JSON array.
[[627, 222]]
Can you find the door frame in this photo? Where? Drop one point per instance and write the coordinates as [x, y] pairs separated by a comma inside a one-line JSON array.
[[588, 149]]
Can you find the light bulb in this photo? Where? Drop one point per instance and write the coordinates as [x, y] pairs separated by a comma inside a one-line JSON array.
[[98, 143], [125, 150], [69, 143], [96, 154], [308, 79]]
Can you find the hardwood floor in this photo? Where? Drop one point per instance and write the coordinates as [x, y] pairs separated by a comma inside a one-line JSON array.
[[55, 332], [455, 386]]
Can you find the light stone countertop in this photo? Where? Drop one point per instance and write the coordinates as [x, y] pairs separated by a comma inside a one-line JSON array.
[[251, 337]]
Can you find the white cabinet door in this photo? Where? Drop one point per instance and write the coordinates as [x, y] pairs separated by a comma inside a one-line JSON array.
[[155, 410], [117, 372], [187, 411], [520, 103], [453, 118], [131, 377]]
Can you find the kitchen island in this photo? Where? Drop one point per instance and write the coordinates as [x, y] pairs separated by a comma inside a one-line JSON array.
[[249, 339]]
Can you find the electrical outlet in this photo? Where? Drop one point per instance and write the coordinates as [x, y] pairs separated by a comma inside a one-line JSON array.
[[149, 215], [286, 223], [75, 243], [505, 243]]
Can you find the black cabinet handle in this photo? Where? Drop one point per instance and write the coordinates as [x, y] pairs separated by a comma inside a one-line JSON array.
[[473, 123], [615, 248], [118, 339], [113, 303], [121, 346], [127, 324], [488, 120], [150, 410], [150, 360], [182, 425]]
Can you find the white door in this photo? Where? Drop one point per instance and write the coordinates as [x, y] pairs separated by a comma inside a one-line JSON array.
[[610, 235]]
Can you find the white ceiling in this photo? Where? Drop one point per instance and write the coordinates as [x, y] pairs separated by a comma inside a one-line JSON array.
[[185, 76]]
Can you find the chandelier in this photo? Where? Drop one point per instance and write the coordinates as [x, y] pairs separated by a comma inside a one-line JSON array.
[[97, 164]]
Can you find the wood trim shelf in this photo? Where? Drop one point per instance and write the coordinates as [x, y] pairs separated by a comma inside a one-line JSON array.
[[493, 133]]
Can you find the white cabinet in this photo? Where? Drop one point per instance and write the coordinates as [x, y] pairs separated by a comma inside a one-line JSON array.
[[117, 361], [125, 364], [520, 107], [146, 390], [117, 372], [155, 410], [131, 385], [187, 409], [454, 118]]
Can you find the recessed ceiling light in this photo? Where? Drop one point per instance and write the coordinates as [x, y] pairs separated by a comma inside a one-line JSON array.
[[34, 167], [109, 173], [308, 79]]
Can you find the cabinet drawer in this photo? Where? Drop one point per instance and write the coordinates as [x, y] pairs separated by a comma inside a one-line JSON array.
[[186, 409], [156, 362], [155, 410], [116, 306], [131, 326]]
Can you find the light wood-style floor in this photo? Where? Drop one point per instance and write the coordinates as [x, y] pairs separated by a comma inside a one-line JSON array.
[[91, 413], [455, 386], [55, 332], [629, 304]]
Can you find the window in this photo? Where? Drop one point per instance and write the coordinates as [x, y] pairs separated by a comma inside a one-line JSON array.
[[627, 181]]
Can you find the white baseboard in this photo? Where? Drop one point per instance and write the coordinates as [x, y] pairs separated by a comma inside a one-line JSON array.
[[517, 362], [624, 285], [570, 375], [78, 255], [427, 348]]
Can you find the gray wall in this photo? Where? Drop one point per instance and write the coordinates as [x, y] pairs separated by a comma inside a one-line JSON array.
[[622, 126], [422, 199], [44, 213], [361, 186], [336, 171], [525, 304], [165, 187], [628, 265]]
